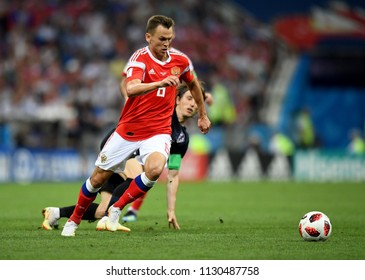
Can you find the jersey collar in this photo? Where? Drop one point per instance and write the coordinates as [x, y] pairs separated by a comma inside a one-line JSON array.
[[157, 60]]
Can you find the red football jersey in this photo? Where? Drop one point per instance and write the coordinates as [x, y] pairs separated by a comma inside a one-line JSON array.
[[149, 114]]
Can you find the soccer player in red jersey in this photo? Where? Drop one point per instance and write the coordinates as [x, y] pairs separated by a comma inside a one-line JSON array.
[[116, 185], [153, 73]]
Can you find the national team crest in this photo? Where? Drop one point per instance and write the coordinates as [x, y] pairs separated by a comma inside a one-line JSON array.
[[175, 71], [103, 158]]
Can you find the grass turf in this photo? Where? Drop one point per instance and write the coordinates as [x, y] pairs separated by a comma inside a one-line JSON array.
[[219, 221]]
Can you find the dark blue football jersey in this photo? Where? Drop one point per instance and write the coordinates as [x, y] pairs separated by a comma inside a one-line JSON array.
[[180, 137]]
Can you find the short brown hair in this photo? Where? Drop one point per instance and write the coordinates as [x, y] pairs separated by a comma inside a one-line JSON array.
[[157, 20], [182, 89]]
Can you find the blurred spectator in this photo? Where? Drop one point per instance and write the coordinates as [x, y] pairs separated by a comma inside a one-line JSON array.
[[305, 135], [357, 143], [199, 144], [281, 144], [59, 64], [222, 112]]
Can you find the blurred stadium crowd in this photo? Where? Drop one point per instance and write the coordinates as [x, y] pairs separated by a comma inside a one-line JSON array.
[[61, 62]]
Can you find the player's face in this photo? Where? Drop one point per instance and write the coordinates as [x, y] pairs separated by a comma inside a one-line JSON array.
[[187, 105], [160, 41]]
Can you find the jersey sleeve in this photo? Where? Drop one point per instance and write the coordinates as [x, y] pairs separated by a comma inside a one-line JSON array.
[[188, 74], [134, 72], [180, 148], [124, 72]]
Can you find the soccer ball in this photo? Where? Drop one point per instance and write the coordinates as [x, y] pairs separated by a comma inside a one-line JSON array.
[[315, 226]]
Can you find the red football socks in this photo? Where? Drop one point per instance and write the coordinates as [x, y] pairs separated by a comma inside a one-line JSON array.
[[132, 193], [138, 202], [83, 202]]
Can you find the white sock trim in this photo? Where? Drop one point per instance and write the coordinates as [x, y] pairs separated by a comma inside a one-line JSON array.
[[147, 181], [90, 188]]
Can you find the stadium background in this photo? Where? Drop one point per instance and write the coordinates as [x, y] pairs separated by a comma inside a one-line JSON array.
[[270, 67]]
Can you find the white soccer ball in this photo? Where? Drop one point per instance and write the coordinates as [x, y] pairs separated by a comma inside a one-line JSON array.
[[315, 226]]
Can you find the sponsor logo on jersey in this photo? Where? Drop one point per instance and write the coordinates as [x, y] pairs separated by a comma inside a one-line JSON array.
[[181, 138], [152, 72]]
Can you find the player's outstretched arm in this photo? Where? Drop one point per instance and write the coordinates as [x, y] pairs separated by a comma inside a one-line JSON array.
[[123, 90], [171, 192], [203, 120]]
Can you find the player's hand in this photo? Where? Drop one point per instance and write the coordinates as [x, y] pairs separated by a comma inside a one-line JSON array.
[[204, 124], [170, 81], [171, 217]]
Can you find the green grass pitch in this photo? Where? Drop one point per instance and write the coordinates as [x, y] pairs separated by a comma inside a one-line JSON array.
[[219, 221]]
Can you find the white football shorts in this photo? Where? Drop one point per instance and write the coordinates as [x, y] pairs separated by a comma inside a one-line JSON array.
[[117, 151]]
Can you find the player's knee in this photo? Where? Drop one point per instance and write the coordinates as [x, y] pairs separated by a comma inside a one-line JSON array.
[[154, 169], [154, 173], [154, 166], [99, 178]]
